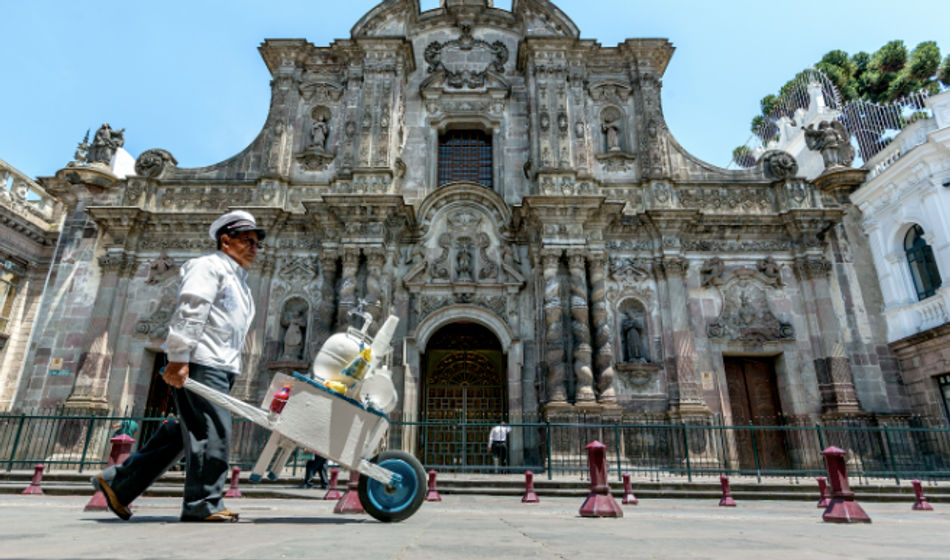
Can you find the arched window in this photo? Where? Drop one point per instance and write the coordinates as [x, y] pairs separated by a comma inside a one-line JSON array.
[[465, 155], [920, 258]]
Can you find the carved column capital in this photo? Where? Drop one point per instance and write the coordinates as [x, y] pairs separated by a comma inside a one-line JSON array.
[[675, 264], [576, 258], [550, 257], [813, 267]]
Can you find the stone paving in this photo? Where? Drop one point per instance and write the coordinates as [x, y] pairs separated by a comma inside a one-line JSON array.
[[471, 526]]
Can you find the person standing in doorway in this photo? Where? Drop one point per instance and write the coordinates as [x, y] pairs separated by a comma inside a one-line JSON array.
[[205, 338], [498, 444]]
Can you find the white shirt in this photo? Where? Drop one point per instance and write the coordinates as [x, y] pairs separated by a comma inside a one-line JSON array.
[[213, 315], [498, 433]]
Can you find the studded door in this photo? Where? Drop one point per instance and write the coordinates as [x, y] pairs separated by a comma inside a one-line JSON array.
[[464, 382]]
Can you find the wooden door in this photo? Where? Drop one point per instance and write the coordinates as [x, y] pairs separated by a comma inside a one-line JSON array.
[[753, 396], [464, 382]]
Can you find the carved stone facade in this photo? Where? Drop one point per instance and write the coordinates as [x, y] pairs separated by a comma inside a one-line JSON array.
[[615, 269]]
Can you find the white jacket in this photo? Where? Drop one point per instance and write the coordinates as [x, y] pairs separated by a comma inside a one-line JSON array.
[[213, 315]]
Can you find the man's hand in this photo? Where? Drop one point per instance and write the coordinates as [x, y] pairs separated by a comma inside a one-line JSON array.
[[175, 374]]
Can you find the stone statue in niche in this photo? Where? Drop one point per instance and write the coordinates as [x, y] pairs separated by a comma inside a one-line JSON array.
[[611, 128], [632, 331], [833, 140], [104, 144], [463, 264], [294, 320], [319, 131]]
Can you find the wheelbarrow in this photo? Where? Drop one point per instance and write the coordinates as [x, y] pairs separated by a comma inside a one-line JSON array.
[[342, 429]]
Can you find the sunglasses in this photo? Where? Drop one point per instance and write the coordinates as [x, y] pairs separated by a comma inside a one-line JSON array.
[[249, 241]]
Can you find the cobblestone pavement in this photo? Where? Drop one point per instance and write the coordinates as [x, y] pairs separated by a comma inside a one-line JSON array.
[[489, 527]]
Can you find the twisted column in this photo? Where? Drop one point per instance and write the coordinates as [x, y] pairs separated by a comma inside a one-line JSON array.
[[580, 328], [327, 308], [553, 335], [604, 356], [351, 262], [375, 258]]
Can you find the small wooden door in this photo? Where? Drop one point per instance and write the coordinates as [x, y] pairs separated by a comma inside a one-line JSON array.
[[753, 396]]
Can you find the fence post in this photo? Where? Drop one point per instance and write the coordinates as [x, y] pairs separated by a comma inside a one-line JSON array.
[[16, 441], [890, 453], [689, 472], [755, 454], [821, 437], [85, 446], [617, 444], [547, 451]]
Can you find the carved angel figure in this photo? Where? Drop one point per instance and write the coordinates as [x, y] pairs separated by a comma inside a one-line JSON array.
[[832, 139]]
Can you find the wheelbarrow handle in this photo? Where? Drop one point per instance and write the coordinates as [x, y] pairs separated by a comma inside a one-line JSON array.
[[239, 407]]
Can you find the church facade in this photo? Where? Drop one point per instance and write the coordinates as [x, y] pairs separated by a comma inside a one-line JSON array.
[[512, 193]]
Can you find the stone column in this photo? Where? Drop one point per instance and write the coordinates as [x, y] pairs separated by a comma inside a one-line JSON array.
[[324, 320], [91, 387], [580, 328], [831, 363], [553, 332], [685, 393], [347, 300], [603, 356], [375, 259]]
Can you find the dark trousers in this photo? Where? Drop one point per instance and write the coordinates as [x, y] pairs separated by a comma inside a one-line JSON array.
[[202, 432], [500, 450], [317, 465]]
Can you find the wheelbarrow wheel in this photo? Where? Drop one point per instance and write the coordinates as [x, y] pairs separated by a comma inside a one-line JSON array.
[[389, 503]]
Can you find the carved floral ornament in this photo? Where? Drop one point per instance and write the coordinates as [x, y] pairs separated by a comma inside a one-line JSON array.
[[153, 163]]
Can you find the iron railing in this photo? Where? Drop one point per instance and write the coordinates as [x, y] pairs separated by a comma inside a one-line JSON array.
[[649, 448]]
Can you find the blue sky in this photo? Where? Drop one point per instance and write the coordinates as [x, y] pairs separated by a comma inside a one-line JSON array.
[[187, 77]]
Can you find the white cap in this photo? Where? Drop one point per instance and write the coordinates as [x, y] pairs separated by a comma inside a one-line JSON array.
[[233, 222]]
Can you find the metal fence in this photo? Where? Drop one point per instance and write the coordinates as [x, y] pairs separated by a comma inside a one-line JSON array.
[[647, 448]]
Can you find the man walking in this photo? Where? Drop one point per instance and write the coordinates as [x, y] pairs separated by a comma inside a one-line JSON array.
[[205, 338], [498, 444]]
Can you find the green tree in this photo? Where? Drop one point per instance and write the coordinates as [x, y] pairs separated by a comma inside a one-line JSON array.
[[889, 73]]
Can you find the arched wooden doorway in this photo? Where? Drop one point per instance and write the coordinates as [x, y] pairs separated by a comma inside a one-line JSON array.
[[463, 380]]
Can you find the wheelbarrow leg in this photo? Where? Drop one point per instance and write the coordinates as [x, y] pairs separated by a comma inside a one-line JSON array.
[[264, 461]]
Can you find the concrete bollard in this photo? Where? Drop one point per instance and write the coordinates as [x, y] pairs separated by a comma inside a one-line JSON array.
[[118, 453], [823, 499], [726, 500], [34, 487], [921, 504], [233, 491], [842, 508], [332, 492], [628, 497], [599, 502], [350, 502], [432, 495], [530, 497]]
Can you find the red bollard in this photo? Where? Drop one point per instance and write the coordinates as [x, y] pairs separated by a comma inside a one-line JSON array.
[[823, 499], [843, 508], [726, 500], [530, 497], [120, 451], [350, 502], [599, 502], [333, 493], [34, 487], [628, 497], [432, 495], [233, 491], [921, 504]]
